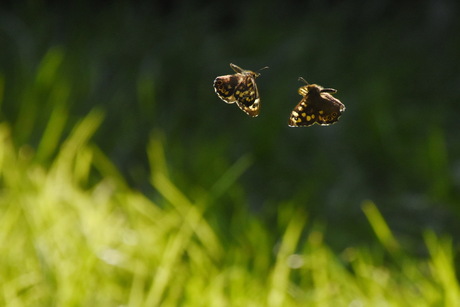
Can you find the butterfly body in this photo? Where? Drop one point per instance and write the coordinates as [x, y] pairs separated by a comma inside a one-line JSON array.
[[317, 106], [239, 88]]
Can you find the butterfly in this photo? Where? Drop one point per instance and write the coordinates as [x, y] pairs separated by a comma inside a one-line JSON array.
[[317, 106], [240, 88]]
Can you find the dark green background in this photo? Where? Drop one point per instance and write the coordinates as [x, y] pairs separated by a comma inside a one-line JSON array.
[[150, 67]]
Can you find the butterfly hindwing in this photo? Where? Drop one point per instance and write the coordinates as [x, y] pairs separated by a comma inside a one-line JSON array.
[[330, 111]]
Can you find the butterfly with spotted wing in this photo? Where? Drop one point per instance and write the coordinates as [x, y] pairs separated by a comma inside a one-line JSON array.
[[317, 106], [241, 88]]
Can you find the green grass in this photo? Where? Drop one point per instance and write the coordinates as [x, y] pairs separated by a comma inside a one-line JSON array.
[[125, 181], [66, 244]]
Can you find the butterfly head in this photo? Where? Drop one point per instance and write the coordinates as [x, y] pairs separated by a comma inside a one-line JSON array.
[[251, 73], [312, 89]]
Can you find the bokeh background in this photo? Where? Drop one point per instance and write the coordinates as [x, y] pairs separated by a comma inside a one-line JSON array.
[[149, 67]]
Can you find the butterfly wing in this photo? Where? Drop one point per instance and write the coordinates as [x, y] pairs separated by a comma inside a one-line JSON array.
[[322, 109], [330, 110], [303, 115], [225, 86], [240, 88], [247, 96]]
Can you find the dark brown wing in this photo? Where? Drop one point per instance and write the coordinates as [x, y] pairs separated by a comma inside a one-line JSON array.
[[303, 114], [321, 108], [247, 96], [329, 110], [225, 87]]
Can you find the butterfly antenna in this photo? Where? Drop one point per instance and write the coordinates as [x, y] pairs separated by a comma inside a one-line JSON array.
[[263, 68], [302, 79]]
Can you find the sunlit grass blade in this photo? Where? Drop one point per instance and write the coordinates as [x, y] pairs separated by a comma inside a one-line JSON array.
[[380, 227], [36, 96], [164, 273], [279, 280], [106, 167], [190, 213], [53, 132], [72, 147], [156, 155], [193, 224], [443, 267], [230, 177]]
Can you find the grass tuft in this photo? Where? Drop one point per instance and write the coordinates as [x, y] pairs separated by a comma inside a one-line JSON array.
[[64, 243]]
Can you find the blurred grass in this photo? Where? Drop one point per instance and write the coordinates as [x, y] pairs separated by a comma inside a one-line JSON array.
[[179, 199], [66, 245]]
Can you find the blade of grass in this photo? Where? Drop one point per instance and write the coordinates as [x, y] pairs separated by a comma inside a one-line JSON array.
[[279, 280], [53, 132], [79, 136], [36, 95], [380, 227], [230, 177], [443, 268], [191, 214]]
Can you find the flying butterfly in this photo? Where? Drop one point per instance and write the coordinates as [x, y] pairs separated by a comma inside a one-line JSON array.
[[317, 106], [240, 88]]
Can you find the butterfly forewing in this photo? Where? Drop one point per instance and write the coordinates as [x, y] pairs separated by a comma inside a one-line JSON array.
[[247, 96], [240, 88], [316, 106]]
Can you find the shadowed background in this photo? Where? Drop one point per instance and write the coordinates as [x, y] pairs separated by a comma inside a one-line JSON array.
[[150, 66]]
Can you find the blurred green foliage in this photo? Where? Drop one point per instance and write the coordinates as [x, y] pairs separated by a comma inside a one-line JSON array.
[[149, 68], [107, 245]]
